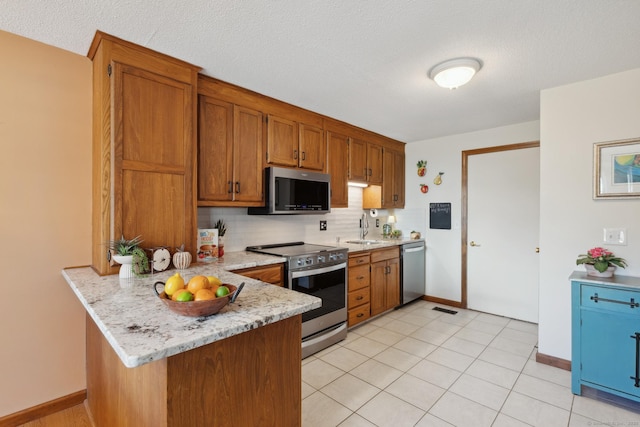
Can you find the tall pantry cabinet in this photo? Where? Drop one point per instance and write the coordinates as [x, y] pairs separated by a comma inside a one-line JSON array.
[[144, 142]]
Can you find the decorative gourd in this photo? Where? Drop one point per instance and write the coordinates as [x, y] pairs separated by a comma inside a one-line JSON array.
[[181, 259]]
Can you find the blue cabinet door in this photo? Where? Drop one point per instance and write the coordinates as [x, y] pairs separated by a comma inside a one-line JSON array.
[[608, 350]]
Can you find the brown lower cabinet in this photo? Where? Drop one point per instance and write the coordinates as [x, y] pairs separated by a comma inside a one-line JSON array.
[[358, 285], [273, 274], [385, 280], [251, 379]]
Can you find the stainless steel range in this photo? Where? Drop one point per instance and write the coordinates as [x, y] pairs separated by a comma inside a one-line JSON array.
[[320, 271]]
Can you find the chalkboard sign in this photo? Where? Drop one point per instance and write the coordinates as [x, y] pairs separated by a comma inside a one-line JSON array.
[[440, 216]]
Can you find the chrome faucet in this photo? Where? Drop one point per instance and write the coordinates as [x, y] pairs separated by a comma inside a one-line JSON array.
[[364, 226]]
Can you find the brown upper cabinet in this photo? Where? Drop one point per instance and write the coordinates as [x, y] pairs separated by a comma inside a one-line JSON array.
[[230, 151], [393, 179], [294, 144], [338, 163], [365, 162], [144, 148]]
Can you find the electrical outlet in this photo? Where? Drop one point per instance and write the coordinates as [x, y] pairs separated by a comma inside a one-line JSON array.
[[323, 225], [615, 236], [377, 222]]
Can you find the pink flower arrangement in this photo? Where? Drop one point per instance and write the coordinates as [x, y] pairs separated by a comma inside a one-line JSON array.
[[601, 259]]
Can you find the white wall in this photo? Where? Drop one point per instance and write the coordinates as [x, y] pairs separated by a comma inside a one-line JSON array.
[[445, 155], [572, 119]]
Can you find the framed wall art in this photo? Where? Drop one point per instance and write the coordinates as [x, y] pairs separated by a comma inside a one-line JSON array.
[[616, 169]]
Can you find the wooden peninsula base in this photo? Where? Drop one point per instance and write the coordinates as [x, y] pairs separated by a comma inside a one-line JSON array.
[[250, 379]]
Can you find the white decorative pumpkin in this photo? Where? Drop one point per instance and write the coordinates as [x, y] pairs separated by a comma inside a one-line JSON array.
[[182, 260]]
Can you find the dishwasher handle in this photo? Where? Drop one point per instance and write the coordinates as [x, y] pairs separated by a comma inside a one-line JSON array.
[[416, 249]]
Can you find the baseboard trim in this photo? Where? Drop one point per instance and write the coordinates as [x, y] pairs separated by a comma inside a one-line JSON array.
[[553, 361], [44, 409], [442, 301]]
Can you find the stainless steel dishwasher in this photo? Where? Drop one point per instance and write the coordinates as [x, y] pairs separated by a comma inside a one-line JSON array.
[[412, 271]]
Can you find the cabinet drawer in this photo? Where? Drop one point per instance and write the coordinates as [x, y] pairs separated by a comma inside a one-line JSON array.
[[611, 299], [358, 260], [358, 277], [358, 315], [270, 274], [385, 254], [357, 298]]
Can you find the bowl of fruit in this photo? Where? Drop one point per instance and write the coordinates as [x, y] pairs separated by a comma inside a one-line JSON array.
[[200, 296]]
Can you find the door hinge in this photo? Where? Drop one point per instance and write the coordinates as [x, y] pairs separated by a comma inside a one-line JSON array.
[[109, 70]]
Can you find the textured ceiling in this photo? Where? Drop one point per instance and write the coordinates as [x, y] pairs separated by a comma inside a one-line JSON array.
[[366, 61]]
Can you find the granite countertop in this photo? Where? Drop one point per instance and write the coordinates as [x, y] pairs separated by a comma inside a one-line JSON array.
[[141, 329], [379, 244]]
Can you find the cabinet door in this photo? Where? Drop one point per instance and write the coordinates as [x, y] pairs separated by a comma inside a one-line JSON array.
[[215, 150], [312, 148], [153, 158], [358, 160], [609, 350], [393, 283], [247, 157], [374, 163], [282, 141], [338, 159], [378, 287], [388, 173], [398, 179]]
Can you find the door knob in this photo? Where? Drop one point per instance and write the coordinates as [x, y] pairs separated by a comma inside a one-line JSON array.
[[537, 250], [474, 243]]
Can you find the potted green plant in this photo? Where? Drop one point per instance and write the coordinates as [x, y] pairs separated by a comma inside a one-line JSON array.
[[131, 257], [600, 262], [222, 229]]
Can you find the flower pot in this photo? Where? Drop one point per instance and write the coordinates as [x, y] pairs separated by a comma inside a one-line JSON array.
[[591, 271], [126, 266]]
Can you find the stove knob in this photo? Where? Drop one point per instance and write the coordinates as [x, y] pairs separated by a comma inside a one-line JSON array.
[[341, 255], [309, 261], [300, 261], [322, 258], [332, 257]]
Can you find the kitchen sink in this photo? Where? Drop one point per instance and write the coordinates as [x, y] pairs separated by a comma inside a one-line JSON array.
[[364, 241]]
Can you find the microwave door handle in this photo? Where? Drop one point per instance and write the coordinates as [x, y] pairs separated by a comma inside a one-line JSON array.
[[306, 273]]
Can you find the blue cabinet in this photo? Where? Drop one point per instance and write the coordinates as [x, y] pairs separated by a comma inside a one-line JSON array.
[[606, 334]]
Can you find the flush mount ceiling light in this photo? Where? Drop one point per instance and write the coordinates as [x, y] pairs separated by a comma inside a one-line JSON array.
[[454, 72]]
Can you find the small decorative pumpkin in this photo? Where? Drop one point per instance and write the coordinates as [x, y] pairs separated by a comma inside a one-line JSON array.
[[181, 259]]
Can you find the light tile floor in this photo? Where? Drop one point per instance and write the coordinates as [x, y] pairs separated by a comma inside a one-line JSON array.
[[419, 367]]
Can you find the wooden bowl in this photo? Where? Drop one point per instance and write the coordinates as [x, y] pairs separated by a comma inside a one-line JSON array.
[[196, 308]]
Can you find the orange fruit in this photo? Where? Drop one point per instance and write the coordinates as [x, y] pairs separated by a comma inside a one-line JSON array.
[[222, 291], [198, 282], [173, 284], [204, 295]]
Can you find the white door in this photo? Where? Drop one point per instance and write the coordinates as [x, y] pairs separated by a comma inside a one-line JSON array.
[[503, 195]]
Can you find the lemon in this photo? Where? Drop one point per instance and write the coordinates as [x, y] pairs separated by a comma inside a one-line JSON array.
[[173, 283], [222, 291], [214, 281]]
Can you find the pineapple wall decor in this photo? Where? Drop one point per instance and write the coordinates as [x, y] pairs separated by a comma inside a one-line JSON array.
[[422, 167]]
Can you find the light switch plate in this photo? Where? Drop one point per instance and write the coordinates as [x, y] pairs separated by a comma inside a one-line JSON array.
[[615, 236]]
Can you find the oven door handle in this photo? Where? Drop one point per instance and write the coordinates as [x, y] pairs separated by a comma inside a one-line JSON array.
[[316, 271]]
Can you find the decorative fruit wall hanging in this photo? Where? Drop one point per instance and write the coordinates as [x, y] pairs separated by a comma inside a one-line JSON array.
[[422, 167], [424, 188], [438, 179]]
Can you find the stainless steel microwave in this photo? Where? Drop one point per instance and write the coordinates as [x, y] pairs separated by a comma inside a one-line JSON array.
[[293, 191]]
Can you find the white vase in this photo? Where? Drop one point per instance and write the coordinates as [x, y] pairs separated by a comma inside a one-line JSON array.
[[591, 271], [126, 266]]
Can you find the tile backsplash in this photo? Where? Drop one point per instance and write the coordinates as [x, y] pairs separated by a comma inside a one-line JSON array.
[[245, 230]]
